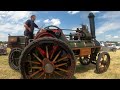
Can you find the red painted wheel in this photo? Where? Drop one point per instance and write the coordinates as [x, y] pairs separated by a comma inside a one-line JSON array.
[[47, 58]]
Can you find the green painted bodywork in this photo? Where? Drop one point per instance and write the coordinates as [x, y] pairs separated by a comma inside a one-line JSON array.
[[86, 42], [83, 43]]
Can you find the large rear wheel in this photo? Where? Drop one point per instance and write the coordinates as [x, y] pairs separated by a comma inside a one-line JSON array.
[[47, 58]]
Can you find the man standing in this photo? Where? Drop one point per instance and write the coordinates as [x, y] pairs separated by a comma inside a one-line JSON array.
[[29, 28]]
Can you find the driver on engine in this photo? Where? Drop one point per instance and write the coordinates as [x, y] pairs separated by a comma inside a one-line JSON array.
[[29, 28]]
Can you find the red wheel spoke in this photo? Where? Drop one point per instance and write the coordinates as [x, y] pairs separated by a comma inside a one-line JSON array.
[[53, 51], [41, 51], [47, 54], [41, 74], [33, 62], [34, 73], [37, 68], [58, 73], [64, 57], [56, 56], [60, 65], [62, 69], [38, 58]]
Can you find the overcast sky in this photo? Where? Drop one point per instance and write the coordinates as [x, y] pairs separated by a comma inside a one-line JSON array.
[[107, 22]]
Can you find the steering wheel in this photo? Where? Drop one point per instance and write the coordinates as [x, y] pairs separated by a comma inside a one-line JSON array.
[[57, 34], [48, 27]]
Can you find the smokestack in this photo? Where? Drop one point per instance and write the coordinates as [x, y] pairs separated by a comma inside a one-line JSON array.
[[92, 24]]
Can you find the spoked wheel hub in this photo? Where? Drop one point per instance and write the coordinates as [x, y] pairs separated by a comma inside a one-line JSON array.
[[48, 66]]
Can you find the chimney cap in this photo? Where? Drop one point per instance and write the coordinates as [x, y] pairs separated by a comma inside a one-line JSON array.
[[91, 15]]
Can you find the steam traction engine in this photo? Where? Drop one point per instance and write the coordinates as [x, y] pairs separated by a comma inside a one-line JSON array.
[[50, 55]]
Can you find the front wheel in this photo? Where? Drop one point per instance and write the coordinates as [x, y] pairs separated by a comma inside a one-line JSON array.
[[103, 62]]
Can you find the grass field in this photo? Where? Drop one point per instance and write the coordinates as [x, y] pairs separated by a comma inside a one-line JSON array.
[[82, 72]]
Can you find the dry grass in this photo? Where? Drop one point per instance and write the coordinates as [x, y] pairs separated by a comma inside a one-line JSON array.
[[82, 72], [5, 71]]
